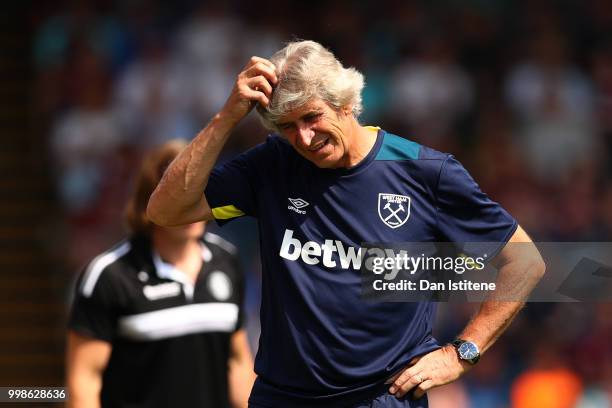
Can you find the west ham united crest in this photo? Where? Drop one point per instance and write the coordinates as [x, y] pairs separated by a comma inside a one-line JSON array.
[[393, 209]]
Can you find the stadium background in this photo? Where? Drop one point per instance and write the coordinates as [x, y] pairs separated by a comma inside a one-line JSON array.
[[519, 91]]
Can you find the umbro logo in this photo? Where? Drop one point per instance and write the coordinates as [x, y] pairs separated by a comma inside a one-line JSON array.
[[297, 204]]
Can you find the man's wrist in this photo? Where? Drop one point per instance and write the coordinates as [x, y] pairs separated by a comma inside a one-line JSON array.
[[223, 122], [467, 351], [473, 336], [464, 364]]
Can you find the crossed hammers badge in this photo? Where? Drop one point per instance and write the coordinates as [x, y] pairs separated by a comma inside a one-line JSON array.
[[393, 209]]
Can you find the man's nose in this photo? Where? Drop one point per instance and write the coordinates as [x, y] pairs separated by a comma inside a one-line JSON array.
[[304, 134]]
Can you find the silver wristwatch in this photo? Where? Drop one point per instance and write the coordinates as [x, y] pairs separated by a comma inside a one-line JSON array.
[[467, 351]]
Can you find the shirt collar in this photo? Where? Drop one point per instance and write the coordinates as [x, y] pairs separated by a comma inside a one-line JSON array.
[[166, 270]]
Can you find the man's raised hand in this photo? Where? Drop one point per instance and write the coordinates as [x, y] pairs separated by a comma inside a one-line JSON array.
[[253, 85]]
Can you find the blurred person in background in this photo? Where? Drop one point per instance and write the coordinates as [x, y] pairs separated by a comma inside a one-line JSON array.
[[315, 190], [157, 320], [431, 92], [554, 106], [92, 157]]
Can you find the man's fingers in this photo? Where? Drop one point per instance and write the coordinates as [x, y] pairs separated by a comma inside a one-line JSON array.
[[261, 69], [256, 96], [409, 384], [396, 375], [412, 369], [255, 82], [255, 59], [256, 89], [422, 388], [392, 379], [430, 370], [259, 83], [408, 378]]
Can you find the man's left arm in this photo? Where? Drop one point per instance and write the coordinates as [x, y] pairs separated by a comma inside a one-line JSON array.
[[520, 269], [240, 371]]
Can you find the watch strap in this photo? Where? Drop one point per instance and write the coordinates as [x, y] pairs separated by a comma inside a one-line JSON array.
[[457, 343]]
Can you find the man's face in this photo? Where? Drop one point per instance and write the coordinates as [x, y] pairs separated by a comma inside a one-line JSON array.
[[318, 133]]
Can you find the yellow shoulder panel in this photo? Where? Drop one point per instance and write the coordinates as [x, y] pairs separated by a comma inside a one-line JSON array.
[[226, 212]]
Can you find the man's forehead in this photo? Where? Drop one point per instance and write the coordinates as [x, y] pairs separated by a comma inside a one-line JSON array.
[[315, 105]]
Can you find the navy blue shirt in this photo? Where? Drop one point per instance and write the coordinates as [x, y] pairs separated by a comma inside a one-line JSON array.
[[321, 344]]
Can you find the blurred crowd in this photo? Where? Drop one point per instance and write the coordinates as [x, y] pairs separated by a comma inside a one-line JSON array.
[[519, 91]]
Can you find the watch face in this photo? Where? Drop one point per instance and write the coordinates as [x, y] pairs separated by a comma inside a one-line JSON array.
[[468, 351]]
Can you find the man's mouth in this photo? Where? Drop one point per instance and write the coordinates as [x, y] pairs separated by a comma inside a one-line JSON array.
[[320, 144]]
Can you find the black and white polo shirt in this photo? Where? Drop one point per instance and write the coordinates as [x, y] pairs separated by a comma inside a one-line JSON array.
[[170, 338]]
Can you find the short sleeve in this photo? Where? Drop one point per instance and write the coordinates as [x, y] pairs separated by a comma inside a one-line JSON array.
[[95, 314], [465, 213], [232, 186]]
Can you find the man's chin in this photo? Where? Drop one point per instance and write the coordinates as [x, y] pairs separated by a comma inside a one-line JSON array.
[[325, 162]]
